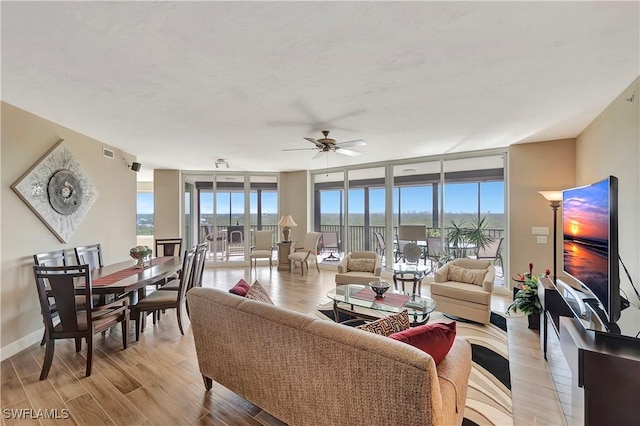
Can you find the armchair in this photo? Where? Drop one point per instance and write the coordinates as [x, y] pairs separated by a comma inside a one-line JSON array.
[[359, 267], [463, 288], [263, 248], [307, 253]]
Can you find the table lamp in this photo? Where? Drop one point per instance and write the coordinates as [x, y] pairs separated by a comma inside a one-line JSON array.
[[286, 222]]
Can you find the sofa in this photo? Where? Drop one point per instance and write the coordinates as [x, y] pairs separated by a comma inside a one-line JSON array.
[[359, 267], [463, 288], [308, 371]]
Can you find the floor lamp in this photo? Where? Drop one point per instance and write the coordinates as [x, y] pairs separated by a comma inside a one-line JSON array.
[[554, 197]]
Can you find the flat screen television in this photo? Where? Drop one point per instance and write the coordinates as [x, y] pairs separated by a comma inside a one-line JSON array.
[[590, 241]]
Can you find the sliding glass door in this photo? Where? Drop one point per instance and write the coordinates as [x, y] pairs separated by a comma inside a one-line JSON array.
[[230, 207]]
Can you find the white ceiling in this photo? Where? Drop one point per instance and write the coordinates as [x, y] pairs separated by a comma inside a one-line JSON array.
[[180, 84]]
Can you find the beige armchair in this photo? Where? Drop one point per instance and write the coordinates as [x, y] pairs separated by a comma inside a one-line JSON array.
[[263, 248], [307, 253], [359, 267], [463, 288]]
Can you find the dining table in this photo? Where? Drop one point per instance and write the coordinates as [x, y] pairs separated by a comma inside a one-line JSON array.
[[126, 278]]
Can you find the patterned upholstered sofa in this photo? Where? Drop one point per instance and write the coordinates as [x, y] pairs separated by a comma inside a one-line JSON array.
[[308, 371]]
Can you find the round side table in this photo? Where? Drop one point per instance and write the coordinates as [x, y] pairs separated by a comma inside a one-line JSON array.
[[413, 273]]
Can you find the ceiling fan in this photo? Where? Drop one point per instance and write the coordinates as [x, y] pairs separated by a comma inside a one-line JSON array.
[[327, 144]]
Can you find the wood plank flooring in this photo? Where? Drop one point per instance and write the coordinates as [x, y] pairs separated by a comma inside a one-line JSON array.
[[156, 381]]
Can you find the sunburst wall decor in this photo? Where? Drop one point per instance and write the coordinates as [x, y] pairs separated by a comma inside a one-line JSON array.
[[58, 191]]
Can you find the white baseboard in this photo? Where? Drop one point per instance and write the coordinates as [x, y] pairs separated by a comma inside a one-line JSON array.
[[21, 344]]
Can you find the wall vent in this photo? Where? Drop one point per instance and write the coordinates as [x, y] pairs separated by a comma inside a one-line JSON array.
[[108, 153]]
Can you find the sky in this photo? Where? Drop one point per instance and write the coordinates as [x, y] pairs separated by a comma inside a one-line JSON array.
[[145, 202], [585, 211], [459, 198]]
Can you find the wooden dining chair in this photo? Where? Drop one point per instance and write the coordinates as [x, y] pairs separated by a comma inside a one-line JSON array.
[[168, 247], [50, 258], [89, 255], [59, 258], [196, 277], [198, 264], [166, 299], [76, 321]]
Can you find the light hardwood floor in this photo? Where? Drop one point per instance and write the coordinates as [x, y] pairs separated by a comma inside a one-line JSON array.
[[156, 381]]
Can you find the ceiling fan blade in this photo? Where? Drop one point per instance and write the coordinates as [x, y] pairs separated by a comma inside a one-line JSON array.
[[347, 152], [299, 149], [357, 142], [313, 141], [318, 155]]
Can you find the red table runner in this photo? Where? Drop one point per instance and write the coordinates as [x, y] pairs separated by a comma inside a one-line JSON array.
[[127, 272], [392, 299]]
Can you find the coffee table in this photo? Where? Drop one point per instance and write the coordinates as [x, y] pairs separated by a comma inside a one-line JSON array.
[[347, 297]]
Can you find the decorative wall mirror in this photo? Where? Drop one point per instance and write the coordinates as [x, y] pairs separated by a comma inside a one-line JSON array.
[[58, 191]]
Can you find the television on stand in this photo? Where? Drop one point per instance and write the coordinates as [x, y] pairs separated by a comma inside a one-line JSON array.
[[590, 246]]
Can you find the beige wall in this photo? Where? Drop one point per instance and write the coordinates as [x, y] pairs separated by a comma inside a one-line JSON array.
[[294, 199], [611, 146], [167, 204], [536, 167], [111, 221]]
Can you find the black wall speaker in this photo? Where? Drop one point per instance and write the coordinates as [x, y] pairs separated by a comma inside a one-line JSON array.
[[135, 166]]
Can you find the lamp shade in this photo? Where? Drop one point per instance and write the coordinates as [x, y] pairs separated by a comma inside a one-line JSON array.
[[287, 220], [551, 195]]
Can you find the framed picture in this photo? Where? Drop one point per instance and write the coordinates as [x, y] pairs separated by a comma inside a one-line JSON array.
[[58, 191]]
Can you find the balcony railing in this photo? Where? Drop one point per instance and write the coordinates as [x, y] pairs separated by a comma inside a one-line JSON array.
[[362, 238]]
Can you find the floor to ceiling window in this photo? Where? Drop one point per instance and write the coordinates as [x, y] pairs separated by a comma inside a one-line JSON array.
[[144, 218], [329, 202], [415, 194], [263, 205], [366, 205], [474, 198], [229, 208], [439, 193]]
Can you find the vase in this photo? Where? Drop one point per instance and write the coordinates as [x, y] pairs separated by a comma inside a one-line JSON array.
[[534, 321], [143, 262]]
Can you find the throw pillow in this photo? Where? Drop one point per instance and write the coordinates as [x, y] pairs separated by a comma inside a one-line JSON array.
[[361, 265], [469, 276], [241, 288], [257, 292], [435, 339], [389, 325]]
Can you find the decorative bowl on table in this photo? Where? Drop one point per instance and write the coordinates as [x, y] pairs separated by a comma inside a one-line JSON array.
[[142, 254], [380, 288]]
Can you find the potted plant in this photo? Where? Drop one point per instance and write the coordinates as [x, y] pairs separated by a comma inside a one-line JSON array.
[[460, 235], [527, 302], [443, 257]]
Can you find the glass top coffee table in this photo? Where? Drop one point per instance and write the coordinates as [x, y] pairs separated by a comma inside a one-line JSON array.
[[347, 297]]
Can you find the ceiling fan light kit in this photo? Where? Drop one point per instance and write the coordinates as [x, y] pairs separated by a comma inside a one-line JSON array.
[[326, 144]]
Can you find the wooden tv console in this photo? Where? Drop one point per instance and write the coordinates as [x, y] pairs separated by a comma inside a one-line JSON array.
[[605, 369]]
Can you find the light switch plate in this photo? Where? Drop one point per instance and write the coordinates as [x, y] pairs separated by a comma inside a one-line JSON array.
[[541, 239], [540, 230]]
